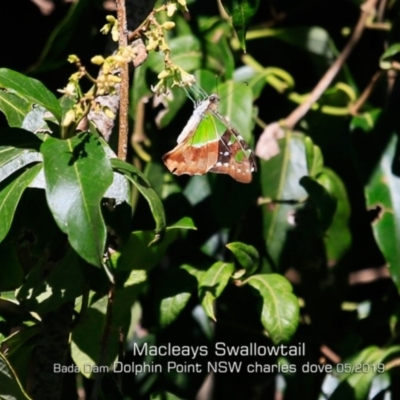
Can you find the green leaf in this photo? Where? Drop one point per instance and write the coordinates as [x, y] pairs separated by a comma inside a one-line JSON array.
[[120, 190], [382, 195], [212, 284], [246, 255], [219, 57], [172, 104], [321, 199], [65, 282], [185, 52], [138, 254], [236, 105], [14, 108], [279, 184], [173, 293], [78, 173], [18, 148], [10, 193], [206, 80], [30, 90], [35, 121], [241, 12], [389, 56], [366, 120], [338, 237], [164, 396], [88, 345], [314, 157], [87, 337], [13, 159], [363, 369], [280, 307], [10, 386], [142, 184]]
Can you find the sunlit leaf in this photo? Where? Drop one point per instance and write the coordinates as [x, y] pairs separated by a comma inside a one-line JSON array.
[[29, 89], [382, 195], [78, 173], [280, 307]]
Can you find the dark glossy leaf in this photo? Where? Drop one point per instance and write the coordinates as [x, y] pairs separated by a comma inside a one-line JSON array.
[[13, 159], [35, 120], [280, 307], [30, 89], [241, 12], [120, 190], [382, 195], [138, 179], [78, 173], [14, 108], [10, 194]]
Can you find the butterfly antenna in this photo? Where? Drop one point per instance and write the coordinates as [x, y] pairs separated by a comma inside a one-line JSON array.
[[234, 89]]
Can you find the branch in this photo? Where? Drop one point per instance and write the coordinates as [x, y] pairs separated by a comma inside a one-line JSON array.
[[366, 9], [124, 93]]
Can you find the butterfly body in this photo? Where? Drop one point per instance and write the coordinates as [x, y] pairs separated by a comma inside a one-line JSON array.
[[209, 143]]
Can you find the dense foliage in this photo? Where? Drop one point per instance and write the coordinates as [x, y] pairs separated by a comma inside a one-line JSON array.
[[122, 280]]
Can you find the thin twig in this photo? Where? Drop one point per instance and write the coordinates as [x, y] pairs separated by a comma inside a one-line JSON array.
[[381, 10], [124, 92], [366, 10], [365, 94]]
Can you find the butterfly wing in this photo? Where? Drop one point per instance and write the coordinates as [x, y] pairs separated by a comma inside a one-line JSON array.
[[235, 158], [198, 152], [209, 142]]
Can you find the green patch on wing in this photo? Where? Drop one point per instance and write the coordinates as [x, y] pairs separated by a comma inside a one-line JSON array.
[[210, 129], [232, 140], [242, 155]]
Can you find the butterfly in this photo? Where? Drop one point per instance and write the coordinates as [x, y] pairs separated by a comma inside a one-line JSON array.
[[209, 143]]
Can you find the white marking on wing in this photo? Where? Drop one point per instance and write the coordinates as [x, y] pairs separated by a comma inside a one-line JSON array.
[[194, 120]]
